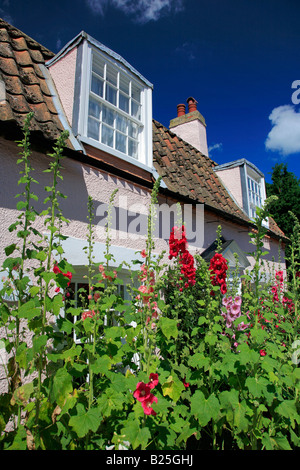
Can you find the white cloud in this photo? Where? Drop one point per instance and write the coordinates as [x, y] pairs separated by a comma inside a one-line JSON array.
[[215, 147], [142, 11], [285, 134]]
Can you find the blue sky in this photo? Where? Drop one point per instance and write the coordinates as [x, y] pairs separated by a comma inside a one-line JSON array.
[[238, 58]]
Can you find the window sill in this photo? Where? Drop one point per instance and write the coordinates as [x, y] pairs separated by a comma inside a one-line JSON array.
[[116, 153]]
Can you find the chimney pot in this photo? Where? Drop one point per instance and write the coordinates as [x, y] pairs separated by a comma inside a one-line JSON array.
[[192, 104], [180, 110]]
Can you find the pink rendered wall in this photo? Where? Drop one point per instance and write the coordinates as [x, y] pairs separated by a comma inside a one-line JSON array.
[[193, 132], [63, 75], [232, 181]]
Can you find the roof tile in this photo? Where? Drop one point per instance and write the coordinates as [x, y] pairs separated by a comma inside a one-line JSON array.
[[25, 84]]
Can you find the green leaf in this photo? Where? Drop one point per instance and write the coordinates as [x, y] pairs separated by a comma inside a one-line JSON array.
[[204, 409], [278, 442], [173, 387], [85, 421], [62, 386], [21, 205], [22, 394], [10, 249], [137, 436], [198, 361], [288, 410], [169, 327], [39, 342], [28, 310]]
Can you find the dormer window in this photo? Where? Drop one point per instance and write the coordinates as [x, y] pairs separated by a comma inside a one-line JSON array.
[[114, 112], [115, 105], [245, 183], [107, 102]]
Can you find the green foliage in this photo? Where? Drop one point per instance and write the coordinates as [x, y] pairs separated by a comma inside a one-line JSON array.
[[218, 386]]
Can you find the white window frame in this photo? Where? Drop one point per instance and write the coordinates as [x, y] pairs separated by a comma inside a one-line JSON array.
[[145, 157], [260, 181]]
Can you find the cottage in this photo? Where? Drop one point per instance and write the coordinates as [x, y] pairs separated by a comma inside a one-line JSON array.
[[114, 143]]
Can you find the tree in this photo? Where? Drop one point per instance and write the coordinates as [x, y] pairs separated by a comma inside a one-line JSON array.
[[286, 186]]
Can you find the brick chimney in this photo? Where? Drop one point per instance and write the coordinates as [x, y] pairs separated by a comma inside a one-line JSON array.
[[191, 127]]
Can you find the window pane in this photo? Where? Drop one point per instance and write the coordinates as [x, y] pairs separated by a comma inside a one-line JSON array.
[[93, 129], [133, 130], [107, 136], [135, 110], [94, 108], [108, 116], [124, 84], [132, 148], [111, 94], [121, 124], [121, 142], [124, 103], [98, 66], [136, 93], [97, 86], [111, 75]]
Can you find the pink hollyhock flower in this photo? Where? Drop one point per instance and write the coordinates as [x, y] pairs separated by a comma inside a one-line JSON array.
[[153, 380], [146, 291], [235, 310], [142, 392], [146, 404], [88, 314], [238, 300], [143, 253], [262, 352]]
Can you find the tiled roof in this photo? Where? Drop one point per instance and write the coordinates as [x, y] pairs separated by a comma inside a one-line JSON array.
[[186, 171], [25, 84]]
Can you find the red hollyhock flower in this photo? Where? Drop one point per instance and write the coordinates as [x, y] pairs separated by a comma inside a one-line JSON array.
[[146, 404], [56, 269], [142, 392], [153, 380]]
